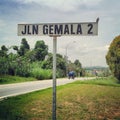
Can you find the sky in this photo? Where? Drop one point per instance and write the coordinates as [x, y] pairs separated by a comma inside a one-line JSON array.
[[89, 50]]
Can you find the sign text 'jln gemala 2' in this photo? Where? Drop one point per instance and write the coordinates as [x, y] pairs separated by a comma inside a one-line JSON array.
[[63, 29]]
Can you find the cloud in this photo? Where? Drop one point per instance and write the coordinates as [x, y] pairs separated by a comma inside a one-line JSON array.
[[91, 2], [2, 24], [62, 5]]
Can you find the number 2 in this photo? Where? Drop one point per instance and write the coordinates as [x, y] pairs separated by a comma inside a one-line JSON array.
[[90, 26]]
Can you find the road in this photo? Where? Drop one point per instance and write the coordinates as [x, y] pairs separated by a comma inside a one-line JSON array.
[[9, 90]]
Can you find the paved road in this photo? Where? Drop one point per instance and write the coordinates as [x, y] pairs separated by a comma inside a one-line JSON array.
[[26, 87]]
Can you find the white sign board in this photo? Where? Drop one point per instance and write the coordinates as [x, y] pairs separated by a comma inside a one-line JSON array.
[[62, 29]]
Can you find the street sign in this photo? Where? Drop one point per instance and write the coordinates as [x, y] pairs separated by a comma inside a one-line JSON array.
[[56, 30], [62, 29]]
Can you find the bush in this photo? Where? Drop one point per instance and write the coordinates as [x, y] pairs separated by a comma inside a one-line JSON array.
[[41, 74], [12, 65], [60, 73]]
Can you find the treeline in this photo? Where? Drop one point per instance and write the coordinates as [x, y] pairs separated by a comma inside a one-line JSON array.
[[36, 62]]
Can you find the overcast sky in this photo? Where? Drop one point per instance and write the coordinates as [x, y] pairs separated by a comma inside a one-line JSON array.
[[90, 50]]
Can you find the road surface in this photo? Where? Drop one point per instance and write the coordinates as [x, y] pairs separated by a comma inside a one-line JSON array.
[[9, 90]]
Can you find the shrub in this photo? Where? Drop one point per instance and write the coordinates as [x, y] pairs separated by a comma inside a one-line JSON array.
[[41, 74]]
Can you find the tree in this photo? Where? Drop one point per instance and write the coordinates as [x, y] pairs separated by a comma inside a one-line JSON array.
[[113, 57], [23, 48], [48, 64], [30, 55], [41, 50], [25, 44], [3, 48], [61, 62], [77, 63], [15, 48], [3, 51], [78, 67]]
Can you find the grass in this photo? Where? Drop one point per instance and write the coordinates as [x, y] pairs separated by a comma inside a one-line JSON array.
[[107, 81], [88, 100], [7, 79]]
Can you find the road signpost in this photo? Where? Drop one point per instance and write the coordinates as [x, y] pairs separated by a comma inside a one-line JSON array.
[[56, 30], [62, 29]]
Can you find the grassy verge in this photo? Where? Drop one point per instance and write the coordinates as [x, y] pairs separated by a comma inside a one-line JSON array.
[[87, 100], [7, 79], [108, 81]]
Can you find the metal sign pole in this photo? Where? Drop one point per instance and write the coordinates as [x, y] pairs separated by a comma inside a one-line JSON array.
[[54, 77]]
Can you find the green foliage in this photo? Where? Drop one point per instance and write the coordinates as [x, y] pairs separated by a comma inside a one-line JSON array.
[[77, 63], [15, 48], [3, 51], [113, 57], [24, 44], [41, 74], [21, 67], [60, 62], [41, 50], [3, 48], [14, 65], [3, 65], [61, 67], [36, 62], [77, 67], [23, 48], [48, 62]]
